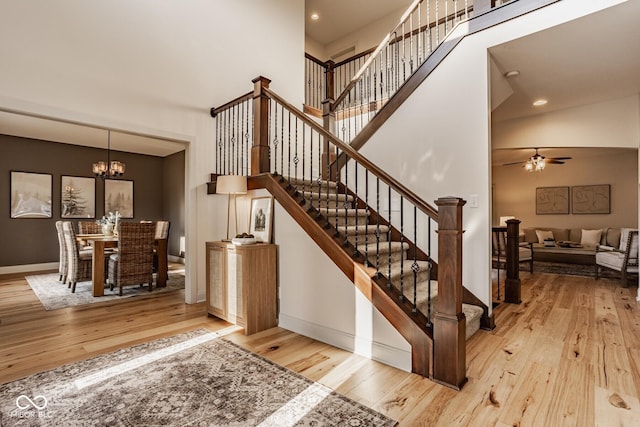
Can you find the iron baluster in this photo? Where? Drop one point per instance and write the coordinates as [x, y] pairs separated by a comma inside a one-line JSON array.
[[404, 56], [275, 138], [336, 190], [366, 213], [415, 267], [401, 245], [429, 265], [289, 151], [345, 204], [389, 235], [282, 142], [303, 163], [411, 42], [378, 226], [234, 160], [296, 159], [355, 178]]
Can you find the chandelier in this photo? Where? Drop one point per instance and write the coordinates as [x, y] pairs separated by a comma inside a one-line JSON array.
[[110, 168], [535, 163]]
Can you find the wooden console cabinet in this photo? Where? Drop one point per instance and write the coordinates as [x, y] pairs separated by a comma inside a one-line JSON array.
[[241, 284]]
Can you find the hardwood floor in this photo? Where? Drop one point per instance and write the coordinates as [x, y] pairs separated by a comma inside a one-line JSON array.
[[569, 355]]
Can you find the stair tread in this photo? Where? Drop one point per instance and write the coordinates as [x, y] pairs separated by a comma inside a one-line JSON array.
[[362, 229], [384, 247], [343, 212], [313, 195]]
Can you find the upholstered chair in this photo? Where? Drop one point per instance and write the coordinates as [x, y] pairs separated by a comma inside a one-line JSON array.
[[62, 247], [133, 264], [79, 261], [499, 251], [623, 258]]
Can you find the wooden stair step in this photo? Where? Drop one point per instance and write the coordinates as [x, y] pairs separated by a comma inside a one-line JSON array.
[[345, 216], [396, 249], [328, 200], [311, 183]]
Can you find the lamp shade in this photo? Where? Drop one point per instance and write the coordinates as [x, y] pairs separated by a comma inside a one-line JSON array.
[[231, 184]]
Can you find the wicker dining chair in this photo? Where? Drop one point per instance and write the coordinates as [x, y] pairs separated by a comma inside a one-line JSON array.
[[79, 261], [63, 265], [162, 232], [89, 227], [133, 264]]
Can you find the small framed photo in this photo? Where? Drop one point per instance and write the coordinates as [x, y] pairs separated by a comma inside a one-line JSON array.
[[30, 195], [261, 218], [118, 197], [77, 197]]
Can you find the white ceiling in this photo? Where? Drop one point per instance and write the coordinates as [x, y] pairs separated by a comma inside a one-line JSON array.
[[341, 17]]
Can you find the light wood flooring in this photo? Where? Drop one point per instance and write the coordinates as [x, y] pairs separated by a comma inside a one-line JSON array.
[[569, 355]]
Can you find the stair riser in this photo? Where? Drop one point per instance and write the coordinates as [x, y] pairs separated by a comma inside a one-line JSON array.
[[423, 276], [362, 239], [384, 259], [350, 220], [331, 203]]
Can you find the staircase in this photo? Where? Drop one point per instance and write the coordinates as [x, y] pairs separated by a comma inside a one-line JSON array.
[[394, 264]]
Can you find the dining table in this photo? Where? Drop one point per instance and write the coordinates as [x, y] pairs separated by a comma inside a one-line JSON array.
[[100, 242]]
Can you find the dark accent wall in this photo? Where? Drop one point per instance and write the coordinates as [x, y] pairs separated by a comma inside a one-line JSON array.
[[174, 173], [34, 240]]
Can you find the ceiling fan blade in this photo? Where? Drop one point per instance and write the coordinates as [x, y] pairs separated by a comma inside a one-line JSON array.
[[513, 163], [554, 161], [559, 158]]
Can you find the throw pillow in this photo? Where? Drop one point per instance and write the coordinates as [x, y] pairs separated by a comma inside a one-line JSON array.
[[543, 235], [624, 236], [590, 237]]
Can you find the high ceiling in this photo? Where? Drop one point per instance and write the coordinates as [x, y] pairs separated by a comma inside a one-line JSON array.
[[337, 18]]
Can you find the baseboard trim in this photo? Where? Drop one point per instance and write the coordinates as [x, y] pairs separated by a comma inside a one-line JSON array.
[[380, 352], [28, 268]]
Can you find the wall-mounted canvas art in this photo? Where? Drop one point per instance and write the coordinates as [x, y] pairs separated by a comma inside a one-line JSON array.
[[552, 200], [118, 197], [30, 195], [591, 199], [77, 197]]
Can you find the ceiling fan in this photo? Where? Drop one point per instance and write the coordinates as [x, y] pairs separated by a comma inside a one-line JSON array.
[[538, 162]]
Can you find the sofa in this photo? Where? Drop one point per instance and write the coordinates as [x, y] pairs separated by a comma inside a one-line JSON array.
[[571, 238]]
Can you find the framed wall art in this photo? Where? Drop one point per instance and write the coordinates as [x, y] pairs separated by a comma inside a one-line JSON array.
[[552, 201], [261, 218], [591, 199], [118, 197], [30, 195], [77, 197]]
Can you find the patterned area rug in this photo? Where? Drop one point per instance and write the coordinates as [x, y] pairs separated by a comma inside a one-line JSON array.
[[54, 295], [192, 379]]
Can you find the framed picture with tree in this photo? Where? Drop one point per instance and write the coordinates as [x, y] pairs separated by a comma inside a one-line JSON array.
[[118, 197], [77, 197]]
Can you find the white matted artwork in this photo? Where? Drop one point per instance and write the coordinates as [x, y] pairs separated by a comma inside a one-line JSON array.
[[77, 197], [261, 218], [30, 195], [118, 197]]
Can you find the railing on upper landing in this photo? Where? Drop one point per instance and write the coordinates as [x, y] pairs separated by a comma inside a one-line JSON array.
[[288, 145], [356, 88]]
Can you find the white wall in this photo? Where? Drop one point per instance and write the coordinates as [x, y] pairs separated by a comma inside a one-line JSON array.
[[424, 145], [317, 300], [612, 123], [154, 67]]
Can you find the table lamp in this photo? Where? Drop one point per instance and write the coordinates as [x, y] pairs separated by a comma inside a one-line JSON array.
[[231, 184]]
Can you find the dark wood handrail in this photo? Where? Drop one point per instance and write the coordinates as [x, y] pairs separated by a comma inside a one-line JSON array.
[[314, 59], [355, 155], [238, 100], [354, 57]]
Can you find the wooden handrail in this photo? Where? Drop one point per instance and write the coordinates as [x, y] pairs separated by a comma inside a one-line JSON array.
[[314, 59], [348, 150], [238, 100]]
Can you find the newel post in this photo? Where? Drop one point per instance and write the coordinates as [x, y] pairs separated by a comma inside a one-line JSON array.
[[329, 80], [449, 326], [512, 283], [260, 148], [328, 153]]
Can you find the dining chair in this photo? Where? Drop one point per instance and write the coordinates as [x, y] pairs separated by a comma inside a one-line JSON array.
[[162, 232], [63, 265], [89, 227], [133, 263], [79, 261]]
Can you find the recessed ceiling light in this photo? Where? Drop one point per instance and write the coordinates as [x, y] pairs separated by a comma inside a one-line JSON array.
[[539, 102], [512, 73], [315, 16]]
